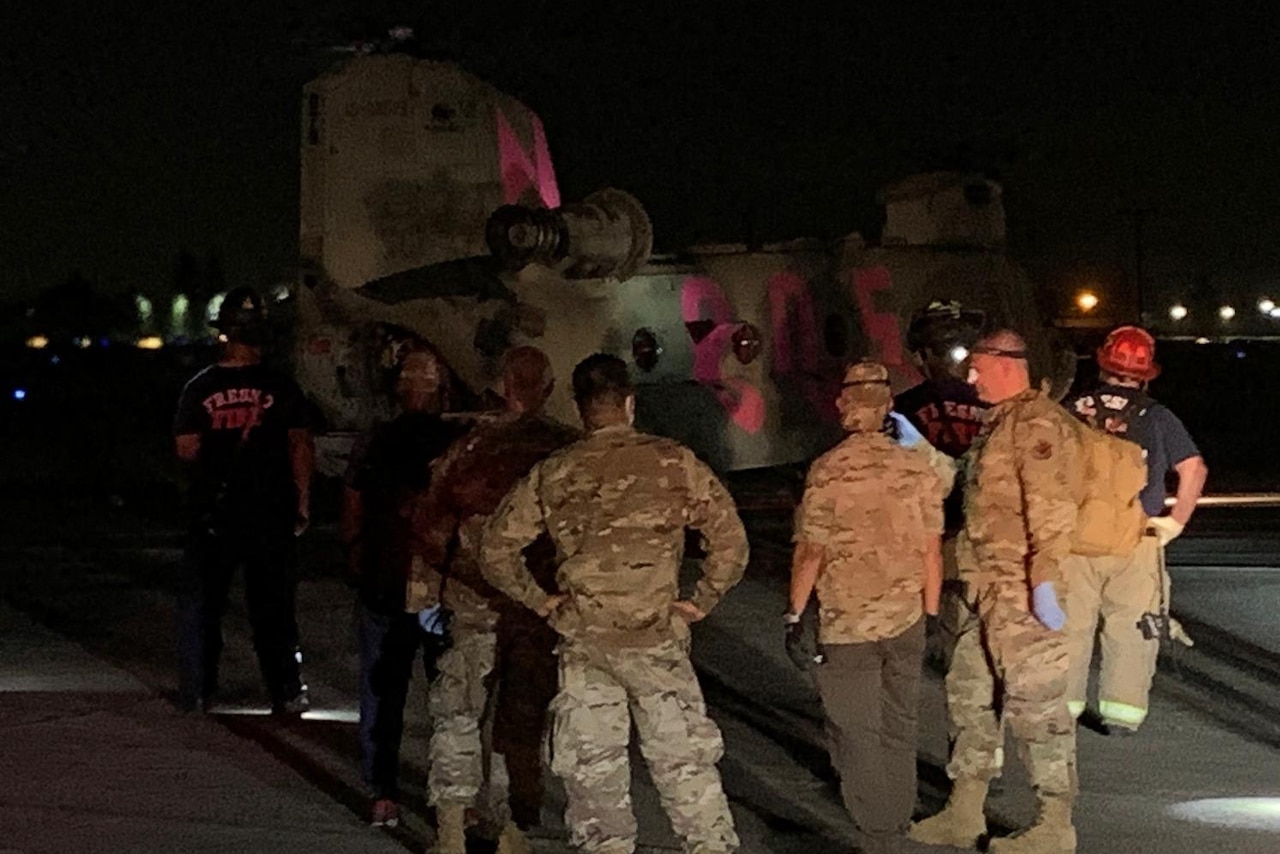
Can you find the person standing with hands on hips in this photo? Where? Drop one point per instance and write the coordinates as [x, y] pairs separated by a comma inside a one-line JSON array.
[[1129, 593], [616, 506]]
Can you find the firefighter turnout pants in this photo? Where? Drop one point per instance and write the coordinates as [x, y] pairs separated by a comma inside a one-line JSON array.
[[1108, 597]]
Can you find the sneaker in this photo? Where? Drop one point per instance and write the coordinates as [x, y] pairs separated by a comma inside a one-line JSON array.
[[197, 705], [384, 813], [189, 706], [294, 706]]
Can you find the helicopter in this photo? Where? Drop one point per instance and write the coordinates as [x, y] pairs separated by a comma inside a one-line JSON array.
[[430, 210]]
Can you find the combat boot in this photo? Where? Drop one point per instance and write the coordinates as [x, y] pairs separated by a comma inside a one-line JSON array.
[[451, 829], [513, 841], [1051, 834], [961, 823]]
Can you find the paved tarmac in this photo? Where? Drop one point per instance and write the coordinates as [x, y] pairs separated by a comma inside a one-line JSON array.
[[96, 759], [93, 760]]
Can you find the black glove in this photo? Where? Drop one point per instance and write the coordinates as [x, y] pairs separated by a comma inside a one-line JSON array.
[[938, 643], [801, 642]]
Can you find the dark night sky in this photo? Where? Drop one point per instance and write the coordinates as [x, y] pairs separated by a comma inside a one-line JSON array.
[[128, 138]]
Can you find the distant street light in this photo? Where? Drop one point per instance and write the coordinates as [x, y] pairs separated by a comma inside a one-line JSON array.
[[1226, 312], [1266, 306], [1275, 313], [213, 307], [1178, 312], [1087, 300]]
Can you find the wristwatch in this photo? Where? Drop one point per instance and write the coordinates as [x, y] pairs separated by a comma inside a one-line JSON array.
[[790, 619]]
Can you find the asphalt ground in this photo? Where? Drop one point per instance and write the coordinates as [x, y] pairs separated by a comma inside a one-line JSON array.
[[91, 747], [1182, 784]]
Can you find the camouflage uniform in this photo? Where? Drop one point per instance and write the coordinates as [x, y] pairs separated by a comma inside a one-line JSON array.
[[469, 481], [616, 506], [873, 506], [977, 750], [1021, 499]]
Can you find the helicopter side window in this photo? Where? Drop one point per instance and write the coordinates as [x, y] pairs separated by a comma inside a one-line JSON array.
[[313, 119], [835, 335]]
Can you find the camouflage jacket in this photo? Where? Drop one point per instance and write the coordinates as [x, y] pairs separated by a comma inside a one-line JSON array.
[[1022, 492], [468, 483], [872, 505], [616, 506]]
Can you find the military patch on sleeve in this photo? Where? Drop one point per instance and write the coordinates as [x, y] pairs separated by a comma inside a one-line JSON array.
[[1043, 450]]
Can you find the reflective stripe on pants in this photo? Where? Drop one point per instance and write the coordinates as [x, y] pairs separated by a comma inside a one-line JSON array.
[[1108, 596]]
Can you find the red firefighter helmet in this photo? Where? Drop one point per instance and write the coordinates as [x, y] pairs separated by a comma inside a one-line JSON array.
[[1129, 352]]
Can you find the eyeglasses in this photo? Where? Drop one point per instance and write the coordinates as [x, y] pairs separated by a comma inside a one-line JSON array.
[[980, 350], [856, 383]]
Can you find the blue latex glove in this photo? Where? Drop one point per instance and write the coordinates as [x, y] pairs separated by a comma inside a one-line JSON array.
[[1044, 604], [908, 435], [433, 620]]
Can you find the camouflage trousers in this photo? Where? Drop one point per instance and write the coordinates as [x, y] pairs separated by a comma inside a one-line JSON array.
[[602, 691], [1116, 592], [464, 770], [1008, 670]]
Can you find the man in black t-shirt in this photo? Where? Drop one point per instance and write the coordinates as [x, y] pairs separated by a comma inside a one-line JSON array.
[[946, 410], [241, 428], [944, 407], [399, 611]]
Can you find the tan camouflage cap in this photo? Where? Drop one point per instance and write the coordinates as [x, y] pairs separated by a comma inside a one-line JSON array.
[[865, 398], [866, 372]]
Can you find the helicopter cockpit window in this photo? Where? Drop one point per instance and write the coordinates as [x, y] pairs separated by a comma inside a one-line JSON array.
[[978, 195], [442, 114], [835, 336], [313, 119], [746, 343], [645, 350]]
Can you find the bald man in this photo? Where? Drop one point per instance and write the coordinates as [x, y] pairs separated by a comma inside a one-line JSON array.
[[1022, 491], [491, 635]]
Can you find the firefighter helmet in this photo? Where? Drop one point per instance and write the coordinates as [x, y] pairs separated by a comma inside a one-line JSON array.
[[242, 308], [1129, 352]]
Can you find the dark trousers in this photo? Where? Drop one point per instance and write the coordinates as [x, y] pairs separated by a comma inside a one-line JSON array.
[[528, 675], [389, 645], [870, 693], [270, 586]]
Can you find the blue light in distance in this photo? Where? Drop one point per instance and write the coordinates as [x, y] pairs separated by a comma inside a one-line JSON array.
[[19, 394]]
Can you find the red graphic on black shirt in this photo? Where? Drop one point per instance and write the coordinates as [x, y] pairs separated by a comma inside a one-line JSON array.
[[237, 408], [951, 427]]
